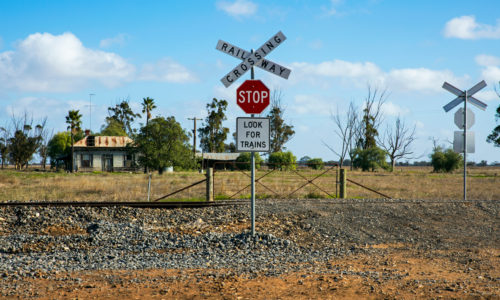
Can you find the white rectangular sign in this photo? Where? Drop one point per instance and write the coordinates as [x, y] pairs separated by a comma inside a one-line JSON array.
[[458, 142], [264, 64], [253, 59], [252, 134]]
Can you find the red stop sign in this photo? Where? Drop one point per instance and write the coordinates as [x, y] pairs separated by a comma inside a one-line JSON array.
[[252, 96]]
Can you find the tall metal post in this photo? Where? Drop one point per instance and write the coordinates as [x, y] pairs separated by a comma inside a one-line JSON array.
[[465, 146], [194, 135], [90, 112], [252, 184]]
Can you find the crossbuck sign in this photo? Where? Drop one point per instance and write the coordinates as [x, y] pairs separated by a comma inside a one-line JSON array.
[[255, 58]]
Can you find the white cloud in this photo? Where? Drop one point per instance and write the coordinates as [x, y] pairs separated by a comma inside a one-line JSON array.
[[119, 40], [361, 73], [486, 95], [166, 70], [466, 27], [392, 109], [238, 8], [491, 74], [419, 79], [44, 62], [487, 60], [61, 63], [311, 104]]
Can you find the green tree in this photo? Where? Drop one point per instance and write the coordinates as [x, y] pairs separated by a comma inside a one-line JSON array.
[[58, 146], [212, 133], [22, 146], [315, 163], [445, 160], [244, 161], [25, 140], [73, 119], [370, 159], [494, 137], [280, 131], [123, 114], [282, 161], [113, 128], [163, 143]]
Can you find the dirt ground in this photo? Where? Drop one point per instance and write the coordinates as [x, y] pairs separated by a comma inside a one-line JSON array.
[[402, 273]]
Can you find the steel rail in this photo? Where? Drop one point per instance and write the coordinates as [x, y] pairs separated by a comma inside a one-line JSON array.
[[166, 204]]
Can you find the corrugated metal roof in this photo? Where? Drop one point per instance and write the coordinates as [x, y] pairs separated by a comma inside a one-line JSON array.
[[219, 156], [104, 141]]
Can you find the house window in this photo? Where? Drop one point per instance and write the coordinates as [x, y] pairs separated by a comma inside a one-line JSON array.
[[87, 161], [128, 160]]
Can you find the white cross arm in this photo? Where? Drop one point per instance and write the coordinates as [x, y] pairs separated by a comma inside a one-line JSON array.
[[479, 104], [253, 59], [453, 103], [450, 88], [476, 88], [264, 64]]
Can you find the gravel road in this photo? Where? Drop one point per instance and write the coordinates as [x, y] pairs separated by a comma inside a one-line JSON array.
[[293, 236]]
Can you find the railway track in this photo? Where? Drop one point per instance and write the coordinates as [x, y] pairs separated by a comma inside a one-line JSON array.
[[164, 205], [201, 204]]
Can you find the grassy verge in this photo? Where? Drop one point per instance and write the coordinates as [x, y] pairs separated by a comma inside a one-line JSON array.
[[405, 183]]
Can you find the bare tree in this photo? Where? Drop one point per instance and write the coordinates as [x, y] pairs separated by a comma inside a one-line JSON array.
[[45, 137], [4, 143], [346, 129], [397, 141]]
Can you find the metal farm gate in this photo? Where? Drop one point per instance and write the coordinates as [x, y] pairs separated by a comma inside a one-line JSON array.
[[300, 181]]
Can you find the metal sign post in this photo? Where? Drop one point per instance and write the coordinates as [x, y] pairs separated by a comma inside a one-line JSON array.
[[249, 60], [465, 96]]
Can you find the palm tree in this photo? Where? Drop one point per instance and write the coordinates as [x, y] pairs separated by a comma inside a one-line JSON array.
[[74, 123], [148, 104]]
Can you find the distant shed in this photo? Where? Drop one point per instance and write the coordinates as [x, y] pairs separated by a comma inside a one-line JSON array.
[[218, 160]]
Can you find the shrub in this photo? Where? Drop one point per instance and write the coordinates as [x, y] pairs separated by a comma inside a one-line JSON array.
[[445, 160], [283, 161], [244, 161], [315, 163]]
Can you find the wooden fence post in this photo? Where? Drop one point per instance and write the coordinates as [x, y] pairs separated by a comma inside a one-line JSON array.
[[343, 191], [210, 184]]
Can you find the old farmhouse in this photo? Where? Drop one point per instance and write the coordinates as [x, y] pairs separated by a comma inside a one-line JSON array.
[[103, 153]]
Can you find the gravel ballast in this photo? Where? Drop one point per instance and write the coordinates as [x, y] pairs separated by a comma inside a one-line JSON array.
[[291, 235]]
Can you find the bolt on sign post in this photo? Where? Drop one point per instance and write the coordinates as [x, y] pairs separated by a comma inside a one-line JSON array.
[[253, 97], [464, 142]]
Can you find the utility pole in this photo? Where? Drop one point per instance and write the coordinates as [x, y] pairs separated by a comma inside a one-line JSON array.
[[194, 135], [90, 110]]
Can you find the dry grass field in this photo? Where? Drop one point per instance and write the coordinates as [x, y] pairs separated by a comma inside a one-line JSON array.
[[404, 183]]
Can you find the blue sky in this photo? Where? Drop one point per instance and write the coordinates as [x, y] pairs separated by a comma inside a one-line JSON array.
[[53, 54]]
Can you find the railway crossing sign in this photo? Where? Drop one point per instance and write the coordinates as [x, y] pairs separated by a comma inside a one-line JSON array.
[[461, 95], [252, 96], [463, 142], [264, 64], [253, 59]]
